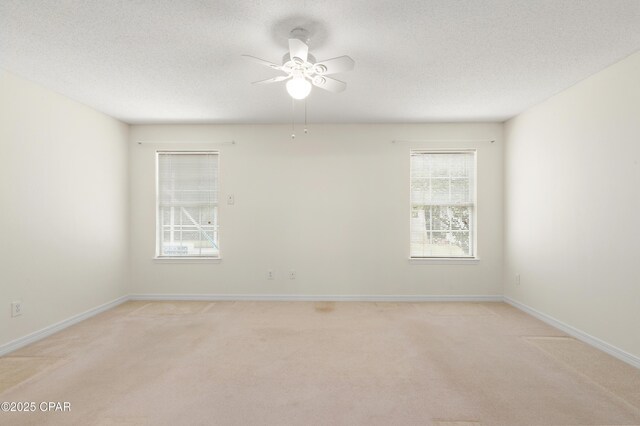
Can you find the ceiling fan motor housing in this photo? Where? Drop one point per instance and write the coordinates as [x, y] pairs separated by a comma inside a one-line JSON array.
[[287, 58]]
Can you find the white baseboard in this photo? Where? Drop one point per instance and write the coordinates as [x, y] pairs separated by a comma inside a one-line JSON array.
[[578, 334], [48, 331], [572, 331], [315, 298]]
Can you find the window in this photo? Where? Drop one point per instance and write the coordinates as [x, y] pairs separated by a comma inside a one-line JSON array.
[[187, 199], [442, 204]]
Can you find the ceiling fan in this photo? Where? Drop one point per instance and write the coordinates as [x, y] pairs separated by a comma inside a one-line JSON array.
[[302, 71]]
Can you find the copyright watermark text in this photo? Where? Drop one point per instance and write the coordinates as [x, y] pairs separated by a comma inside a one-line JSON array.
[[32, 406]]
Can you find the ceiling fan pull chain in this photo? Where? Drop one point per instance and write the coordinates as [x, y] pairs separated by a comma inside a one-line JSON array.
[[305, 116], [293, 118]]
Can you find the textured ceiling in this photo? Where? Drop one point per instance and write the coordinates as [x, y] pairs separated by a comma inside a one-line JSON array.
[[148, 61]]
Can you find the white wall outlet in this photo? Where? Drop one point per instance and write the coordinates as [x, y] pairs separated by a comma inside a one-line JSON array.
[[16, 309], [270, 275], [292, 275], [231, 199], [517, 279]]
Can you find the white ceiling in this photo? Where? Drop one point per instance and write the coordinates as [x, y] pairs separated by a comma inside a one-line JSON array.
[[146, 61]]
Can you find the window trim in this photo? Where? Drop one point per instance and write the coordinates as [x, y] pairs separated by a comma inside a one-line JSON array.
[[448, 260], [183, 259]]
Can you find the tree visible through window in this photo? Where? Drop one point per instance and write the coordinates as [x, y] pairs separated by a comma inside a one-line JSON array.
[[442, 204], [187, 215]]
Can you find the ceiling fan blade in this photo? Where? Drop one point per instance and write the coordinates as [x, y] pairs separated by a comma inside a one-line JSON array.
[[263, 62], [298, 49], [330, 84], [334, 65], [272, 80]]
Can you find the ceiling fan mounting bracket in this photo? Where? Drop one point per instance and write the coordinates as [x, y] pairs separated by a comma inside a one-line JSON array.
[[301, 34]]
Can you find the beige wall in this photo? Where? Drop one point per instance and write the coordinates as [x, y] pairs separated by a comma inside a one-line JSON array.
[[331, 205], [78, 206], [63, 217], [572, 197]]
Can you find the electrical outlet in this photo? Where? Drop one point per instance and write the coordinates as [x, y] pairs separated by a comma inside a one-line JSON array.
[[16, 309], [517, 279], [270, 275], [231, 199], [292, 275]]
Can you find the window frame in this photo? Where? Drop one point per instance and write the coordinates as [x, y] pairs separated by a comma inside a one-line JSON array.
[[186, 259], [473, 234]]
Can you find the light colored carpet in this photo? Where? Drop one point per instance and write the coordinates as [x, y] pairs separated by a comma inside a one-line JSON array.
[[304, 363]]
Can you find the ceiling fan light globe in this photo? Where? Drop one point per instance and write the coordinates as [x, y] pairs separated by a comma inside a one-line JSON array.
[[298, 87]]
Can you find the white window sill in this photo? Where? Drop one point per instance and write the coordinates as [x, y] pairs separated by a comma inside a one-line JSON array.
[[444, 260], [186, 259]]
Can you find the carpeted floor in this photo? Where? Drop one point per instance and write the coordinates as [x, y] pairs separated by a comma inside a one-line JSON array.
[[304, 363]]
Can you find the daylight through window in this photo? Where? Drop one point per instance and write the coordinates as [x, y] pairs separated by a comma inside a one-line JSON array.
[[187, 204], [442, 204]]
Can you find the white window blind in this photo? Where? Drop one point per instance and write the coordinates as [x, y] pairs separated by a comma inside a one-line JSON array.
[[187, 204], [442, 204]]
